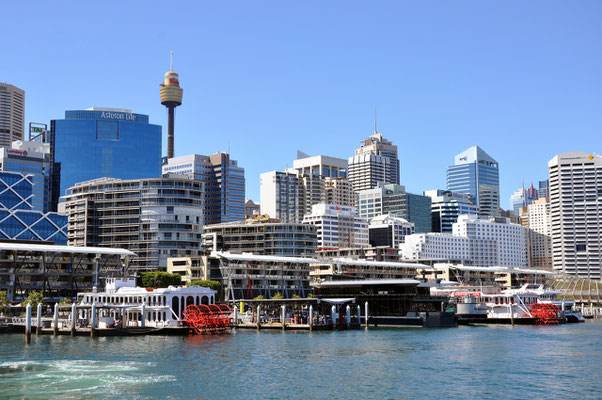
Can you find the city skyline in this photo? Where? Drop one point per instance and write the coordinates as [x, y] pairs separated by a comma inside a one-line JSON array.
[[437, 91]]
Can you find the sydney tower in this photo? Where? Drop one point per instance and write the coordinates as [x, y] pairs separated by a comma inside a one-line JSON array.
[[171, 97]]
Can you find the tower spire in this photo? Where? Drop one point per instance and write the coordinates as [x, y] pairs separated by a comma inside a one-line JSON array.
[[171, 62], [375, 131]]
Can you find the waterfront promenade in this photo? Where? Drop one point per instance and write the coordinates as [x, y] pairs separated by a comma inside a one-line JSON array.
[[467, 362]]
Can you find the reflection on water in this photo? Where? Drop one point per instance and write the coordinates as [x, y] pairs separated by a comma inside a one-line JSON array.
[[467, 362]]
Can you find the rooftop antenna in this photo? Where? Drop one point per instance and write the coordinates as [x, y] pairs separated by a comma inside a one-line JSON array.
[[375, 132], [171, 62]]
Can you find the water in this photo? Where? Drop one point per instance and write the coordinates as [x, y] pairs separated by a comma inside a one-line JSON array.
[[467, 362]]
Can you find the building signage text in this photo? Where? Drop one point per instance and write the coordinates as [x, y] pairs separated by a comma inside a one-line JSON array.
[[118, 115]]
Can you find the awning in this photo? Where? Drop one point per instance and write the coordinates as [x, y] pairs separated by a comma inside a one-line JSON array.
[[339, 301]]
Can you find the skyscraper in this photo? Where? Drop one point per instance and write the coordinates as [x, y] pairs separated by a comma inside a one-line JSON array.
[[105, 142], [446, 206], [477, 174], [374, 162], [12, 114], [522, 198], [575, 213], [224, 183]]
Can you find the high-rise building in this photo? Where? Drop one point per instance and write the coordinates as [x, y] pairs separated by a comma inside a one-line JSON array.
[[19, 219], [544, 188], [155, 218], [575, 213], [389, 230], [339, 192], [540, 241], [393, 199], [105, 142], [280, 197], [375, 162], [338, 226], [12, 114], [326, 166], [291, 194], [446, 206], [224, 183], [171, 97], [477, 174], [31, 158], [522, 198]]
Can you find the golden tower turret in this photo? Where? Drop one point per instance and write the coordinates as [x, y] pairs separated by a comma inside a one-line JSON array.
[[171, 97]]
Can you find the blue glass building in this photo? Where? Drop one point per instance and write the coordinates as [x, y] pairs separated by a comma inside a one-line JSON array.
[[105, 142], [477, 174], [18, 219]]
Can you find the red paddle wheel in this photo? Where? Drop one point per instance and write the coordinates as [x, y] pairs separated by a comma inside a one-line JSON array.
[[207, 319], [546, 313]]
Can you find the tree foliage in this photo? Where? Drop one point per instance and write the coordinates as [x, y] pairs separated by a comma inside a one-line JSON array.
[[159, 279], [4, 303], [213, 285], [260, 297], [278, 296], [65, 301], [34, 299]]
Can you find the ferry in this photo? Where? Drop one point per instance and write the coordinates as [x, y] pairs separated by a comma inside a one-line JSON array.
[[568, 307], [494, 307], [123, 304]]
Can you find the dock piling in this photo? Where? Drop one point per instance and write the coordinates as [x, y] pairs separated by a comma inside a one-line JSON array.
[[333, 312], [366, 313], [56, 319], [39, 318], [235, 315], [359, 315], [258, 312], [93, 320], [143, 315], [28, 323], [310, 317], [283, 319], [348, 316], [73, 318]]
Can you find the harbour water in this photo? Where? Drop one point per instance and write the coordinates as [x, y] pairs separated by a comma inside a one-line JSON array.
[[467, 362]]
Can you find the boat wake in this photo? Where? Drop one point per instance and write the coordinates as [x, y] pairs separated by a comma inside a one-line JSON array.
[[75, 378]]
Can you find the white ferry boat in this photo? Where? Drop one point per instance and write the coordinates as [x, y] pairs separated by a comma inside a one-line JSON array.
[[123, 304], [546, 296], [495, 307]]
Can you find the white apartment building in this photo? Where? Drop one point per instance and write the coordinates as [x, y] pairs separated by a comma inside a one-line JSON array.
[[540, 241], [575, 210], [338, 226], [494, 241], [339, 191], [436, 246]]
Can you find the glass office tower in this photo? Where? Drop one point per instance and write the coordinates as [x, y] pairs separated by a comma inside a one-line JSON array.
[[105, 142], [477, 174]]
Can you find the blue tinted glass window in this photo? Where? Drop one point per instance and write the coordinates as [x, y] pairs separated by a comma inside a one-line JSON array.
[[107, 130]]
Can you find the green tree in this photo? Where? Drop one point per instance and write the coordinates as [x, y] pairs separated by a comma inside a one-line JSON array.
[[34, 299], [278, 296], [260, 297], [213, 285], [159, 279], [4, 303], [296, 296], [65, 301]]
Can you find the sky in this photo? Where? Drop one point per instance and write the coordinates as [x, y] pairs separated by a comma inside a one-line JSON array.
[[523, 80]]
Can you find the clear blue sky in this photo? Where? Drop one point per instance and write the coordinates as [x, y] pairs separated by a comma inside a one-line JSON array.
[[523, 80]]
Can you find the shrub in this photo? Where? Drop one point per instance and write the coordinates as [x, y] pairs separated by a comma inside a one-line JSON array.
[[260, 297], [278, 296], [159, 279], [4, 303], [213, 285], [296, 296]]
